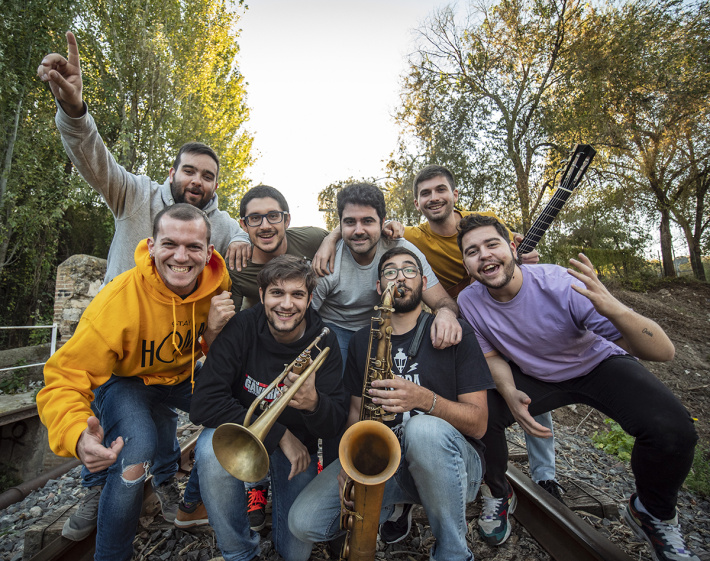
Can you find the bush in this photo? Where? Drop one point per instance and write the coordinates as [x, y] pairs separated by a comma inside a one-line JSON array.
[[614, 441], [698, 480]]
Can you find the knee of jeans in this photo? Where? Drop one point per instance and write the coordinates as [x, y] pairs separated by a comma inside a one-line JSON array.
[[427, 436], [674, 435], [135, 473]]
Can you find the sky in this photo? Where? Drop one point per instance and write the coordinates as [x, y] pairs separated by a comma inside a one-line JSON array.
[[323, 82]]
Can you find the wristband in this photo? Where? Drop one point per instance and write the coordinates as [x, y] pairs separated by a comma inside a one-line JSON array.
[[433, 404]]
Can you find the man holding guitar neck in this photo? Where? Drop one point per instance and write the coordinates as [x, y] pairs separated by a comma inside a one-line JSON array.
[[572, 343]]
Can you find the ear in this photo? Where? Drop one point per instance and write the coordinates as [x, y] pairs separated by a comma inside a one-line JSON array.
[[416, 204], [456, 196], [261, 295], [287, 220], [310, 299], [171, 174], [151, 245], [243, 224], [210, 250], [423, 283], [379, 288]]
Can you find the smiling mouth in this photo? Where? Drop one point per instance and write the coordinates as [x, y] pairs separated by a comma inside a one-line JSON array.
[[176, 269], [489, 268]]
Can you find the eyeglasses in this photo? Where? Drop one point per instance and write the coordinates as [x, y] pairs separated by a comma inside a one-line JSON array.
[[273, 217], [391, 273]]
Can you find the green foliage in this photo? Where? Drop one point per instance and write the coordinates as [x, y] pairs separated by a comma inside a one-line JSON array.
[[698, 480], [614, 441], [8, 478], [13, 383]]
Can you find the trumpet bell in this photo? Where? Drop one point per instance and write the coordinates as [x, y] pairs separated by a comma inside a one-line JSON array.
[[240, 452]]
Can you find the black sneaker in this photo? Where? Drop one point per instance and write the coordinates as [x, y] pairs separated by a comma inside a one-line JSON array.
[[552, 487], [80, 524], [256, 507], [169, 496], [393, 531], [663, 536]]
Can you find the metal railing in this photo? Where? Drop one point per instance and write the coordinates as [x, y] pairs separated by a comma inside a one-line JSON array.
[[53, 345]]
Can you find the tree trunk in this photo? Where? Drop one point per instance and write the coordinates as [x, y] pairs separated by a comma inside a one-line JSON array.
[[5, 230], [667, 245], [695, 252]]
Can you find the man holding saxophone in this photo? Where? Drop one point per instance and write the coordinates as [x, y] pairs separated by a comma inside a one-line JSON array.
[[256, 345], [439, 399]]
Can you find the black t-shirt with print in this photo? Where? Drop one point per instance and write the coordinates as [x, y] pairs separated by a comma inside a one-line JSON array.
[[449, 372]]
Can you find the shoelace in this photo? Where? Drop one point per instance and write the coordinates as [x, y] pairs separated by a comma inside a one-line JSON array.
[[491, 506], [90, 504], [671, 535], [257, 499]]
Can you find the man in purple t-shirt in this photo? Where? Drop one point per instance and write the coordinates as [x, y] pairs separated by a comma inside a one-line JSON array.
[[571, 343]]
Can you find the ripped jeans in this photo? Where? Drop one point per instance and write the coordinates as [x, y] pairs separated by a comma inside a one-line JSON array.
[[136, 412]]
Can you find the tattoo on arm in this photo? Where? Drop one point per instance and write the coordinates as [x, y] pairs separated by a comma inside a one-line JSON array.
[[647, 332]]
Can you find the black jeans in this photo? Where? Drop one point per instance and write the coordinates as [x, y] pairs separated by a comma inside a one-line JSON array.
[[622, 389]]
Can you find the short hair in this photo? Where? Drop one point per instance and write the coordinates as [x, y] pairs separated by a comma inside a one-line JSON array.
[[475, 220], [183, 212], [398, 250], [287, 267], [430, 172], [196, 148], [365, 194], [262, 192]]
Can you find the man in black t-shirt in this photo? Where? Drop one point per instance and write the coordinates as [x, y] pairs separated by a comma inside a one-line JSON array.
[[439, 398]]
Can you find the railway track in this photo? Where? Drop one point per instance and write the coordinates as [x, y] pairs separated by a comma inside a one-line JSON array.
[[562, 533]]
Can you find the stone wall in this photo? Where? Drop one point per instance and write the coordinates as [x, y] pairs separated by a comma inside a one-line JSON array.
[[78, 281]]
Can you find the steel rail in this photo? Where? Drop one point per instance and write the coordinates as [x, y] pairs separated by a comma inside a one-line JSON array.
[[562, 533], [62, 549]]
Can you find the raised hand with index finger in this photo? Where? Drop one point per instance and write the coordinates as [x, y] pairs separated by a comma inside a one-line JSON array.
[[64, 77]]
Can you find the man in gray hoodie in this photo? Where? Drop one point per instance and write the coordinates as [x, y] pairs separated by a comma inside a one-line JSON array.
[[135, 200]]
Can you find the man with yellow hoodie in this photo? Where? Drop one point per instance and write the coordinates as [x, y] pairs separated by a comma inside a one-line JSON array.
[[139, 340]]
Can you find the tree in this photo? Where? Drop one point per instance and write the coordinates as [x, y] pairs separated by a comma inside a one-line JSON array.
[[486, 86], [645, 73]]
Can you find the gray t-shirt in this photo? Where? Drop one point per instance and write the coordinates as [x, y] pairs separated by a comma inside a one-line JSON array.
[[347, 297]]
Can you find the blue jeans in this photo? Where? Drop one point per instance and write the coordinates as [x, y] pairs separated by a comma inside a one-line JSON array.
[[141, 415], [226, 504], [439, 469], [167, 456], [541, 452]]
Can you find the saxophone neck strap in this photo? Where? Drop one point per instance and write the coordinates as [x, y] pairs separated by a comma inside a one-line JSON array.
[[423, 322]]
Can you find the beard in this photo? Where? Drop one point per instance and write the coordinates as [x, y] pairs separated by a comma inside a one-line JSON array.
[[508, 273], [408, 303]]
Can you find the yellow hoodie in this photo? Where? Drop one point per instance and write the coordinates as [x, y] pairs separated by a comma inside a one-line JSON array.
[[135, 326]]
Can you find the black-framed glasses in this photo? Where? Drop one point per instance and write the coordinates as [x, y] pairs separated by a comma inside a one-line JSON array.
[[273, 217], [391, 273]]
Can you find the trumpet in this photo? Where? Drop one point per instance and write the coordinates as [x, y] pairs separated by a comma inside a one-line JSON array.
[[240, 448]]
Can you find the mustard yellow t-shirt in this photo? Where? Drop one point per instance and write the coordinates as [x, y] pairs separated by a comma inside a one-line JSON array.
[[442, 252]]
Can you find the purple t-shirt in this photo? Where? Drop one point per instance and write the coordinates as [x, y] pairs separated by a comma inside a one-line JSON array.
[[550, 331]]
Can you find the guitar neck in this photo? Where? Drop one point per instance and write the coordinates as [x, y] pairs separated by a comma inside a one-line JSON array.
[[576, 167]]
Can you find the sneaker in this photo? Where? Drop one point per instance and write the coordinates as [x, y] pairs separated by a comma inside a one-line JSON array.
[[552, 487], [256, 507], [80, 524], [169, 497], [191, 517], [393, 531], [493, 524], [663, 536]]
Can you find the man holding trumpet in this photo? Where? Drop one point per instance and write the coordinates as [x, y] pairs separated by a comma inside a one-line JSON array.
[[254, 347], [439, 399]]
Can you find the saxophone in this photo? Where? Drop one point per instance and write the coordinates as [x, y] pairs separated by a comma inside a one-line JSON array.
[[369, 450]]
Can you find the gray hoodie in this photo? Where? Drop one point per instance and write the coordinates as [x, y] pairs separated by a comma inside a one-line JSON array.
[[134, 200]]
